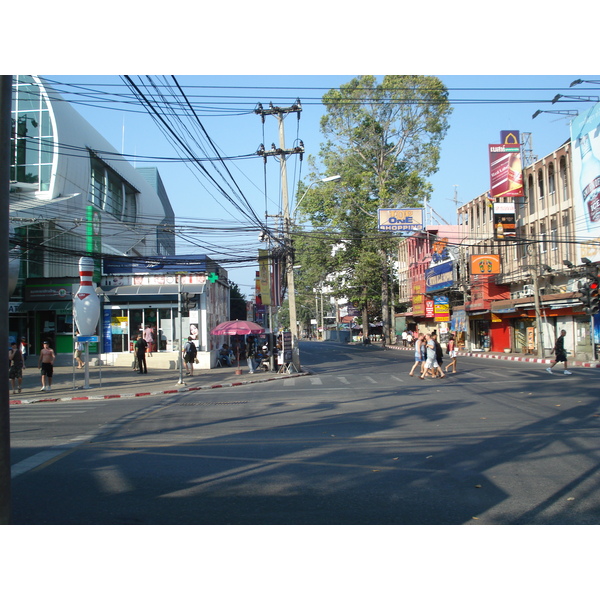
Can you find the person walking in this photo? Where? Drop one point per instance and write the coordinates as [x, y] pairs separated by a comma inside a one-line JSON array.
[[431, 365], [189, 355], [419, 353], [439, 355], [46, 365], [560, 353], [15, 371], [404, 338], [149, 339], [24, 347], [452, 352], [140, 351], [251, 351]]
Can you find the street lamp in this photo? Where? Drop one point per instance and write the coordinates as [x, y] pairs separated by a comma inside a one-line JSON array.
[[290, 270], [324, 180]]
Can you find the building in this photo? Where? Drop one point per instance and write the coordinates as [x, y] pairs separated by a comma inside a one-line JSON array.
[[524, 304], [72, 194]]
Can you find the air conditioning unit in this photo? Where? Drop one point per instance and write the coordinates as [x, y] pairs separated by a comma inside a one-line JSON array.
[[528, 290]]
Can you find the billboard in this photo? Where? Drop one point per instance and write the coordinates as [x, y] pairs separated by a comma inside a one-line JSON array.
[[505, 221], [439, 277], [264, 276], [485, 264], [399, 219], [585, 141], [506, 171]]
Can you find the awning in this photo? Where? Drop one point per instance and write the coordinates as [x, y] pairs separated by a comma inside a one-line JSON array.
[[35, 306], [152, 290]]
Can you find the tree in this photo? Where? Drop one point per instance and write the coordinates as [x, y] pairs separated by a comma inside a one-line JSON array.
[[237, 303], [384, 140]]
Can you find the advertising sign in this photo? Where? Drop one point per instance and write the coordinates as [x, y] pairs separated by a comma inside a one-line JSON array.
[[485, 264], [429, 309], [441, 309], [400, 219], [418, 299], [585, 142], [505, 221], [506, 172], [439, 277], [265, 276]]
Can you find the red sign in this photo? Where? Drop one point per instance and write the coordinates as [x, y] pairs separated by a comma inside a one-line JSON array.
[[506, 173], [429, 309]]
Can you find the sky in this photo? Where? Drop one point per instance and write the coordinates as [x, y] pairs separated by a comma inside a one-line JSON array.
[[482, 107]]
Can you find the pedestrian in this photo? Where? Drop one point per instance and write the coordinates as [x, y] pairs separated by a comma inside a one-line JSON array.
[[149, 339], [79, 348], [46, 365], [140, 348], [189, 355], [431, 365], [24, 350], [250, 352], [560, 353], [15, 370], [409, 339], [419, 354], [452, 352], [404, 338], [439, 355]]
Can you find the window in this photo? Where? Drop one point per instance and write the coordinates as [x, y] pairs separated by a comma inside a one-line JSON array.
[[541, 187], [543, 240], [551, 184], [553, 235], [531, 194], [110, 192], [563, 177], [32, 137]]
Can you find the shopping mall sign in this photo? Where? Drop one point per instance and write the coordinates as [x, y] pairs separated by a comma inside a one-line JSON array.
[[400, 219]]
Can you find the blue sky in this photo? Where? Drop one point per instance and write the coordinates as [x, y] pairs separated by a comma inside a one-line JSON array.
[[483, 106]]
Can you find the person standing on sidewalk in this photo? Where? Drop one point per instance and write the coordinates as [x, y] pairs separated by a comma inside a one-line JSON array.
[[189, 355], [140, 351], [46, 365], [15, 371], [560, 353], [79, 348]]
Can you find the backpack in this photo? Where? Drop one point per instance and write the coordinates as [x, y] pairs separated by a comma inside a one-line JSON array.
[[190, 348]]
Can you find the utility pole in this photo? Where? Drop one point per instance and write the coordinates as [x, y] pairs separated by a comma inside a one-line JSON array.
[[282, 153], [5, 116]]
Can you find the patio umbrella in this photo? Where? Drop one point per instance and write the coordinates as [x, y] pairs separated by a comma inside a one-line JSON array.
[[237, 328]]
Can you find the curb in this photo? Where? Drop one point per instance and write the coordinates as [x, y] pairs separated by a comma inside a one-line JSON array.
[[171, 391]]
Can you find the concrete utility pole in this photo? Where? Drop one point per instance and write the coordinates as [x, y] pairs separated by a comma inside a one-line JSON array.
[[5, 128], [279, 114]]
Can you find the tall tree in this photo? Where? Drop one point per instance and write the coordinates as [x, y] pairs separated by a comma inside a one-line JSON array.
[[384, 140]]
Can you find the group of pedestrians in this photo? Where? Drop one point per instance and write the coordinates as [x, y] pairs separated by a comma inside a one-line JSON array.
[[429, 356]]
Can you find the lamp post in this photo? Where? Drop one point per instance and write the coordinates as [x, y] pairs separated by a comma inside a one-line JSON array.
[[290, 265]]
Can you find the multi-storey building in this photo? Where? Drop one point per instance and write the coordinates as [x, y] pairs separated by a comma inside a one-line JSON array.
[[73, 194], [539, 270]]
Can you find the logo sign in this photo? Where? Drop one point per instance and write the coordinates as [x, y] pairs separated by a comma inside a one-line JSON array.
[[441, 309], [429, 309], [485, 264], [400, 219], [506, 172], [510, 137]]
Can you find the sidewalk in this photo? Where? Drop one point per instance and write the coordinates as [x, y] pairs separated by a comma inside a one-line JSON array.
[[122, 382]]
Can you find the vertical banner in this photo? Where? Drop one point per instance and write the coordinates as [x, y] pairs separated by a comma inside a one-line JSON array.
[[265, 276], [506, 171], [585, 143], [94, 239], [441, 309]]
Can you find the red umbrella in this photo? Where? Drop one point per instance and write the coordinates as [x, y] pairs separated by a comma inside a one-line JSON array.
[[237, 328]]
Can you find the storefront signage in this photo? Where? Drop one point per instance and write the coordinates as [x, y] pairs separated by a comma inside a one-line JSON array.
[[418, 299], [429, 309], [441, 308], [439, 277], [48, 290], [485, 264], [163, 264], [400, 219], [143, 280], [505, 220]]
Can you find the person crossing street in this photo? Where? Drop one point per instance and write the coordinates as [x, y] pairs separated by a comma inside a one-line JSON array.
[[560, 353]]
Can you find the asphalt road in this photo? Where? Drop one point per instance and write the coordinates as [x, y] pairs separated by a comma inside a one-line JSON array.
[[358, 442]]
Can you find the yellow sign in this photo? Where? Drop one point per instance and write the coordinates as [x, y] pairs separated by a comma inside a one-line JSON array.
[[400, 219], [485, 264]]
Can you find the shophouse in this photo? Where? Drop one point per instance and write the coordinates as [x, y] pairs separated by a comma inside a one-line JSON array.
[[524, 265]]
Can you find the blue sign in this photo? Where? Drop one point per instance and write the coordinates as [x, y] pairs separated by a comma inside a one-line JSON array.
[[439, 277], [87, 338], [198, 263]]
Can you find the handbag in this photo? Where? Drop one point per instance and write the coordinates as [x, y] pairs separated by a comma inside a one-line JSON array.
[[196, 361]]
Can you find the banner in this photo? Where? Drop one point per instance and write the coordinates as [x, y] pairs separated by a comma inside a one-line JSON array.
[[506, 171], [265, 276], [585, 144]]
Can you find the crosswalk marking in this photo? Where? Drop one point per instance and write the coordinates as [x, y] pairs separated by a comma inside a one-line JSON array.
[[316, 381]]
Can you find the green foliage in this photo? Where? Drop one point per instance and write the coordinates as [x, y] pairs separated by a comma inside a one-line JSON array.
[[383, 138]]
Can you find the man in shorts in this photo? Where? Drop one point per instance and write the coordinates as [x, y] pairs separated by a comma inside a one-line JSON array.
[[46, 364], [560, 353], [15, 371]]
